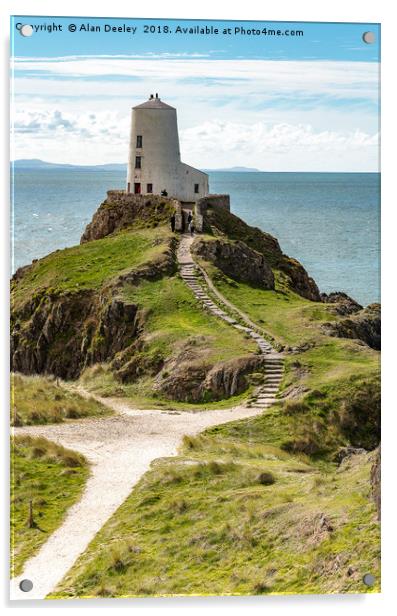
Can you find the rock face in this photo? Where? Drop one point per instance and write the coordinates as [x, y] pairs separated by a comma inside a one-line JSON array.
[[364, 324], [342, 303], [195, 382], [121, 210], [62, 333], [236, 260], [299, 279]]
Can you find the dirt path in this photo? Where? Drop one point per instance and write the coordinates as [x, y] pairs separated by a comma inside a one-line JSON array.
[[120, 450]]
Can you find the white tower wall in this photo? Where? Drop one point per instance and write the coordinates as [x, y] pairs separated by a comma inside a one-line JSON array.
[[154, 138]]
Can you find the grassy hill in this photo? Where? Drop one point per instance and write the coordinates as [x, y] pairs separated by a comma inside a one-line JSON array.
[[279, 503]]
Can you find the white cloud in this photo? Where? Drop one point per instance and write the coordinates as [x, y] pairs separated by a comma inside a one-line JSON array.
[[273, 78], [275, 115], [278, 147]]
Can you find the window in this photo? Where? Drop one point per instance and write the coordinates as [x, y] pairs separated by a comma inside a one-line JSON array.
[[138, 160], [149, 188], [139, 141], [196, 188]]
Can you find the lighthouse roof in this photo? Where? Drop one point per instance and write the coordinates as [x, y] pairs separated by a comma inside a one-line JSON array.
[[153, 103]]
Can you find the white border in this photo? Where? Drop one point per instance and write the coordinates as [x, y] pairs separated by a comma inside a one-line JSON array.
[[288, 10]]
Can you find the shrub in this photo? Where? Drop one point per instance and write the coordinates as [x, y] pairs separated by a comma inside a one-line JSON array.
[[307, 445], [293, 407], [359, 415], [266, 478]]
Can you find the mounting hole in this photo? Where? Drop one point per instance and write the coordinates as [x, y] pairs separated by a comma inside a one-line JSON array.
[[26, 585], [369, 37], [26, 30], [369, 579]]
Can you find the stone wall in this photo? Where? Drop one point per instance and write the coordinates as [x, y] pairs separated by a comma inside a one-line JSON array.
[[215, 201]]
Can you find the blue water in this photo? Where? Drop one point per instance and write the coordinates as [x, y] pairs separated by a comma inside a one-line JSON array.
[[328, 221]]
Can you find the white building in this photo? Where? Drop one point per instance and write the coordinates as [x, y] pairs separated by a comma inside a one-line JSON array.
[[154, 161]]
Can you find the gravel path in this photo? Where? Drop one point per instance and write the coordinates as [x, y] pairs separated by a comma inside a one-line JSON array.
[[121, 448]]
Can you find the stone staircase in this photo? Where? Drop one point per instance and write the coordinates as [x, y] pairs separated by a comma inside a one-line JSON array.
[[265, 395]]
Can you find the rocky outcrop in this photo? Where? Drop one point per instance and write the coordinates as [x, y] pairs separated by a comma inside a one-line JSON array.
[[121, 211], [229, 378], [236, 260], [299, 280], [344, 453], [195, 381], [62, 335], [363, 325], [342, 304], [221, 223]]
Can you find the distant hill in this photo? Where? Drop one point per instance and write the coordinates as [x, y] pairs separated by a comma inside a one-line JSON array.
[[36, 163], [240, 169]]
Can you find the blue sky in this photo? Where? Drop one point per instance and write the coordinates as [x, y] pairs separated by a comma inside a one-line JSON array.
[[280, 103]]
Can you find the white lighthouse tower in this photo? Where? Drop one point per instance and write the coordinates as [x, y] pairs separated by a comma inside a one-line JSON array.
[[154, 161]]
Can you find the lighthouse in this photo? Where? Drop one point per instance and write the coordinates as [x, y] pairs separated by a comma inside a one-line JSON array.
[[154, 160]]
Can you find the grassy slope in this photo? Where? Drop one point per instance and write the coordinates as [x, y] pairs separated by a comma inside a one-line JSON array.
[[294, 321], [52, 478], [205, 524], [90, 265], [174, 317], [39, 400]]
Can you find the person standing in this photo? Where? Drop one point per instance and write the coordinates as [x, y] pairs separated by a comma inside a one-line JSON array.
[[172, 222]]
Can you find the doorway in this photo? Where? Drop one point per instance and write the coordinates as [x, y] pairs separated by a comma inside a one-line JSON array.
[[137, 188]]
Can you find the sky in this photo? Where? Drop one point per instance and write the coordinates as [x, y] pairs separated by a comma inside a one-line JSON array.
[[304, 100]]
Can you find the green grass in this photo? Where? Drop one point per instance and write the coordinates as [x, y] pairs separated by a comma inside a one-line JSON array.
[[176, 326], [293, 321], [175, 316], [206, 523], [90, 265], [100, 380], [40, 400], [285, 315], [52, 478]]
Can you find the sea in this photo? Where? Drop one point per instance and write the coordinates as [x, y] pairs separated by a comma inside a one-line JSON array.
[[330, 222]]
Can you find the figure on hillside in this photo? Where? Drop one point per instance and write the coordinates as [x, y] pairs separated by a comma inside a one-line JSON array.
[[191, 227], [164, 193], [172, 222], [189, 219]]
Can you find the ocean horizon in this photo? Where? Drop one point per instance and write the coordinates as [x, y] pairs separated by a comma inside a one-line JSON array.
[[329, 221]]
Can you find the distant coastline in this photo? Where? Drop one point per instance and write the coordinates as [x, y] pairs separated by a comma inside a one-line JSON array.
[[31, 164]]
